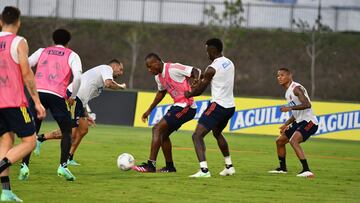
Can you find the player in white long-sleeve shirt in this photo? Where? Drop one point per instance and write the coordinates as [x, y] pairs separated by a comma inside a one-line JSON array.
[[54, 67], [93, 82]]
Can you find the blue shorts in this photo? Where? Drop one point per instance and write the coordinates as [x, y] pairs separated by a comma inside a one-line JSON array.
[[216, 116], [77, 110], [176, 116], [18, 120], [305, 128]]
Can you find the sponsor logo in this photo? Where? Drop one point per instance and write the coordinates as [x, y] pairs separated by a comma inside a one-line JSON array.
[[247, 118], [55, 52], [158, 112], [272, 115]]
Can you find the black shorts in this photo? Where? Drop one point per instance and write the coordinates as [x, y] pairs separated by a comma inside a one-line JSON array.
[[77, 111], [216, 116], [176, 116], [305, 128], [18, 120], [57, 105]]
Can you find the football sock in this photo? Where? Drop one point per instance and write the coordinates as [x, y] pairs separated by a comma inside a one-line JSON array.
[[64, 164], [71, 156], [170, 164], [4, 164], [282, 161], [152, 163], [41, 138], [228, 166], [304, 165], [228, 162], [204, 167], [5, 183]]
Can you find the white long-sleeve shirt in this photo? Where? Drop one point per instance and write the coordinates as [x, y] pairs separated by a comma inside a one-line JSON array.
[[74, 63]]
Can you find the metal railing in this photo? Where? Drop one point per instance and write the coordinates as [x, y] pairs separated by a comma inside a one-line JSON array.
[[269, 16]]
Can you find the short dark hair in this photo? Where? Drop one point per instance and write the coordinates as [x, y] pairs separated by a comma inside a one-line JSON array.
[[215, 42], [153, 55], [61, 36], [114, 61], [10, 15], [284, 69]]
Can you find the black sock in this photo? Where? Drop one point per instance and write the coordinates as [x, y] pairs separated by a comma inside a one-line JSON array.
[[41, 138], [71, 156], [228, 166], [5, 183], [64, 164], [152, 163], [304, 165], [4, 164], [204, 170], [170, 164], [282, 161]]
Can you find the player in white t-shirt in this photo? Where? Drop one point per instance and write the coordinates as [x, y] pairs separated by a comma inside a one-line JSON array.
[[299, 127], [220, 75], [93, 82]]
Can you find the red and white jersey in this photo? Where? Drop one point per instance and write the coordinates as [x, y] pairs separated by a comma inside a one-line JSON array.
[[174, 79], [293, 100], [11, 81]]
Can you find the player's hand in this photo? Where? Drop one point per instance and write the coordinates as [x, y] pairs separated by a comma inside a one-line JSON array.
[[41, 112], [194, 83], [122, 86], [285, 109], [187, 94], [70, 101], [145, 116], [283, 128], [91, 121]]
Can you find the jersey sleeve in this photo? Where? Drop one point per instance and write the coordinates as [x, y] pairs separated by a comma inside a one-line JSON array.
[[179, 72], [160, 87], [34, 58], [106, 73]]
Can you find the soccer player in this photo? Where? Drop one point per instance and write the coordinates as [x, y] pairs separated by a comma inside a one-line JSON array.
[[15, 116], [299, 127], [54, 67], [220, 74], [172, 78], [93, 82]]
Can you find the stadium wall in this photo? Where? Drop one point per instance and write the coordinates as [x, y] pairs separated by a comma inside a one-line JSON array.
[[252, 116]]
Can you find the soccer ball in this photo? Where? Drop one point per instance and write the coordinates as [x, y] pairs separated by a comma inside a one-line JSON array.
[[125, 161]]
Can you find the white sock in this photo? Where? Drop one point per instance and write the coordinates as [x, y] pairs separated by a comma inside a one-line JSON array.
[[228, 160], [203, 164]]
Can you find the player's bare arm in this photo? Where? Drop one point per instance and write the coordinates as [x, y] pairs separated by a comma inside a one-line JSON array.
[[305, 103], [28, 77], [111, 84], [158, 98], [203, 83], [195, 74]]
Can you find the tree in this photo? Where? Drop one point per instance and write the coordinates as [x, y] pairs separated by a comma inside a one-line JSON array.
[[222, 23], [133, 38], [314, 42]]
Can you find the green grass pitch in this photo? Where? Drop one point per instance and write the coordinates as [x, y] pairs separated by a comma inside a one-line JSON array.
[[335, 163]]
